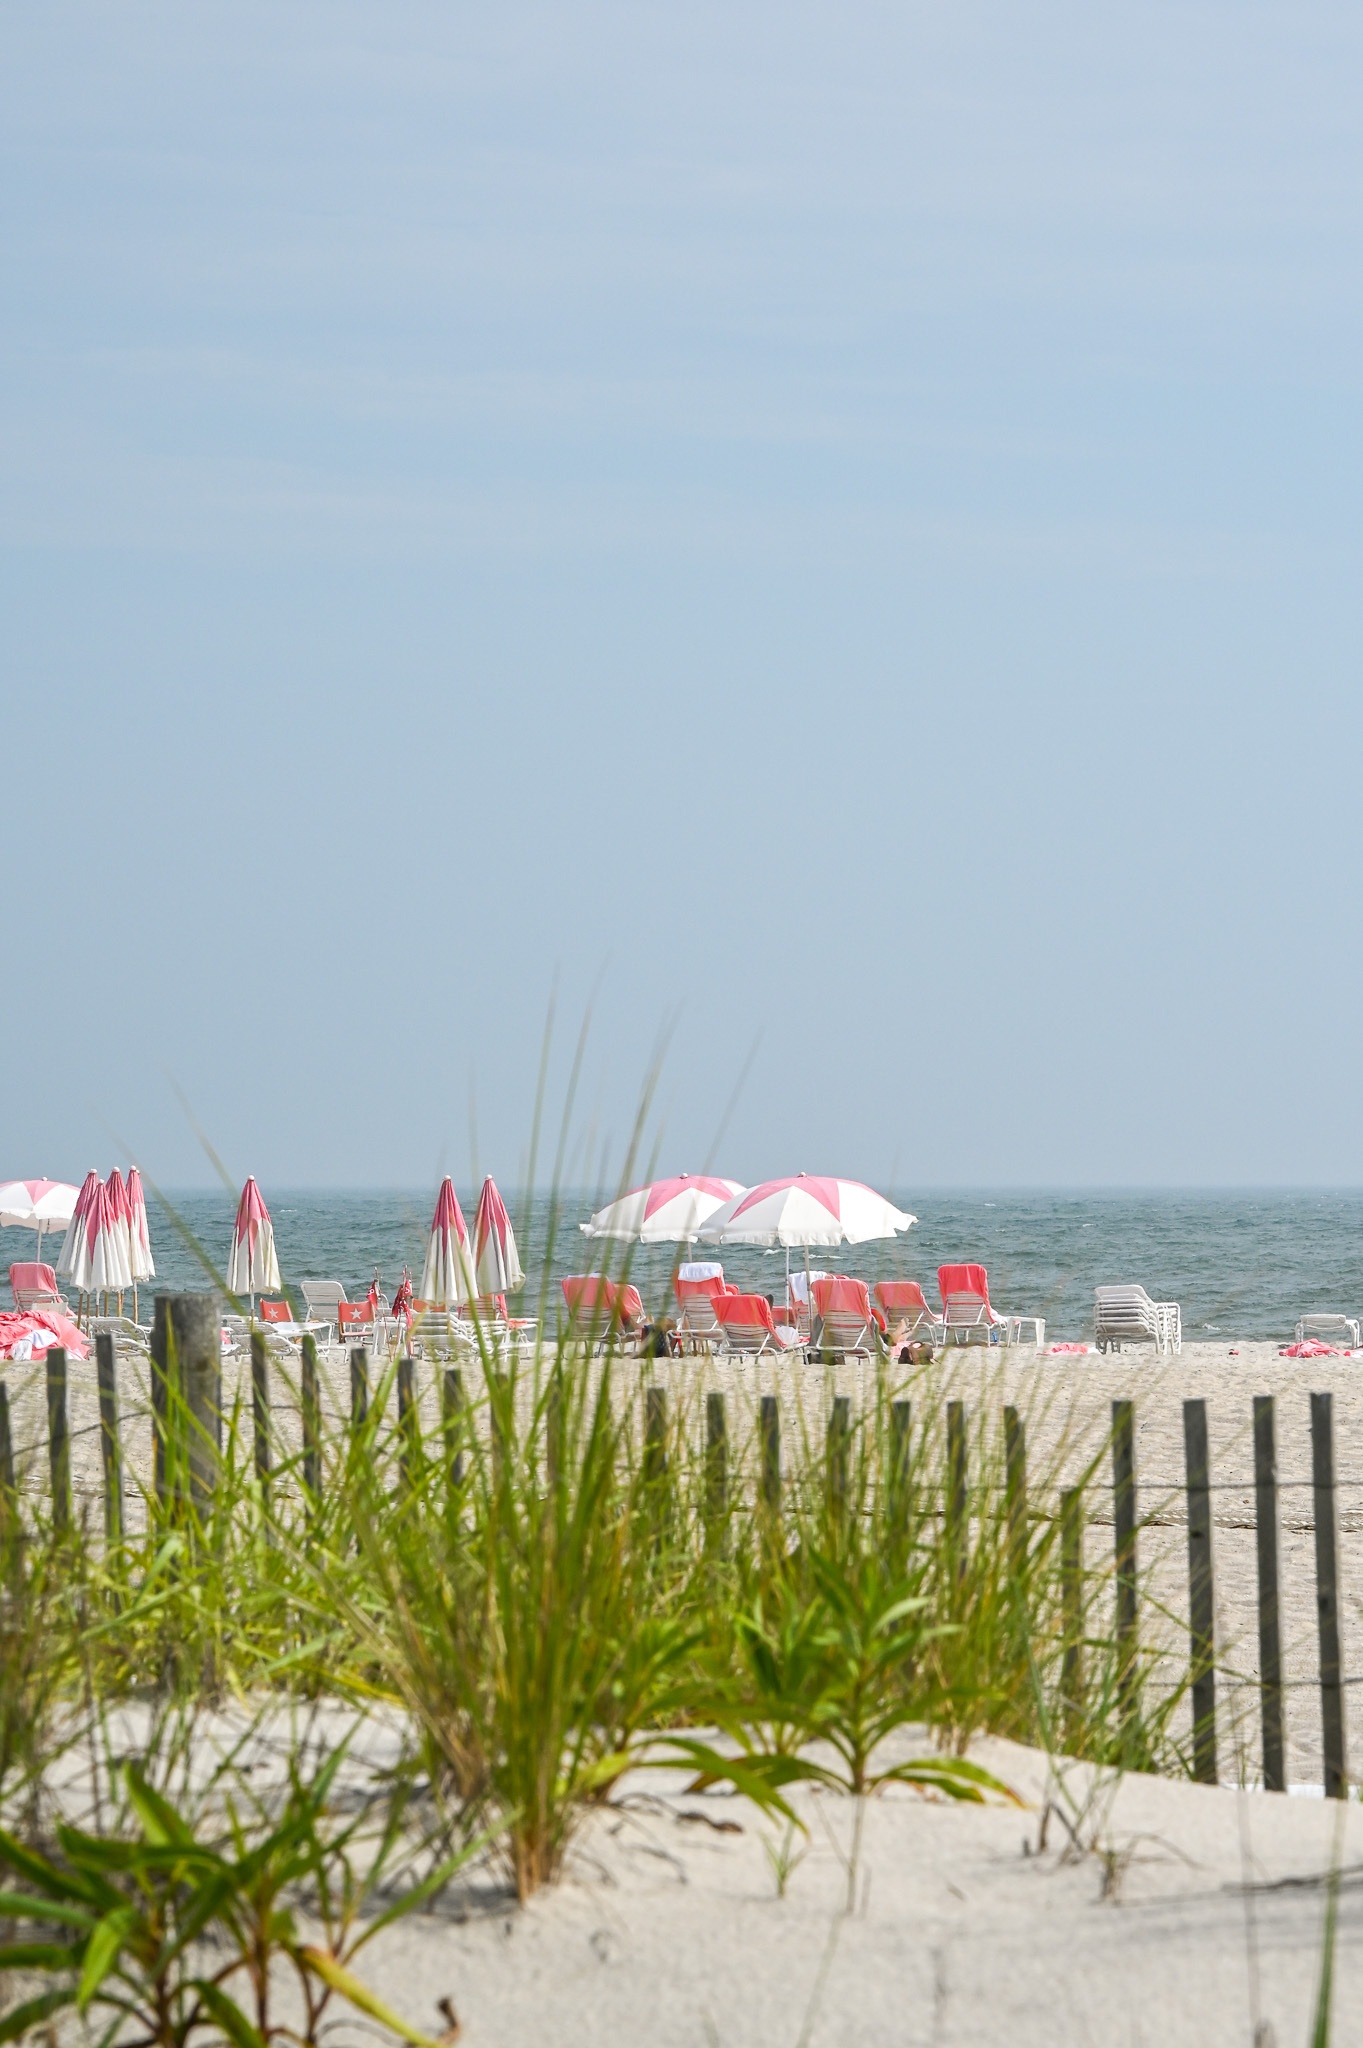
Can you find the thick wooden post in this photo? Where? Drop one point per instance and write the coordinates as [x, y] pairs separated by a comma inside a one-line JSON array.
[[58, 1438], [1201, 1606], [312, 1426], [1327, 1596], [106, 1373], [839, 1453], [359, 1389], [1072, 1607], [769, 1424], [1270, 1626], [407, 1418], [1124, 1543], [260, 1414], [956, 1487], [186, 1349], [1015, 1489], [716, 1467], [452, 1419]]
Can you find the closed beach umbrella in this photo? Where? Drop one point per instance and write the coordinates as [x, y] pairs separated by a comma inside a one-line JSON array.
[[806, 1210], [121, 1213], [37, 1205], [447, 1276], [144, 1266], [496, 1262], [664, 1212], [252, 1267], [99, 1260], [71, 1251]]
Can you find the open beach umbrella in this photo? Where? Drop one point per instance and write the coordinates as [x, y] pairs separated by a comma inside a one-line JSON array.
[[447, 1276], [37, 1205], [496, 1262], [144, 1266], [664, 1212], [806, 1210], [71, 1250], [252, 1267]]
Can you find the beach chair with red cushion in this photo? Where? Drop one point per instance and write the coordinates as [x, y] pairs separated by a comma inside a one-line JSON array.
[[905, 1309], [969, 1316], [697, 1324], [845, 1320], [600, 1310], [749, 1325], [34, 1286]]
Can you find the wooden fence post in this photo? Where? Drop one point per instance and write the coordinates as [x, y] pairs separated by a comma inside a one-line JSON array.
[[1201, 1605], [839, 1453], [312, 1426], [359, 1389], [956, 1502], [186, 1349], [58, 1438], [1015, 1488], [655, 1435], [106, 1373], [260, 1415], [408, 1434], [1072, 1606], [1270, 1628], [9, 1495], [769, 1416], [452, 1419], [1124, 1544], [716, 1467], [901, 1418], [1327, 1596]]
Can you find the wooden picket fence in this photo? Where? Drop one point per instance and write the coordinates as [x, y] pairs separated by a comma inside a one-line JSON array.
[[186, 1329]]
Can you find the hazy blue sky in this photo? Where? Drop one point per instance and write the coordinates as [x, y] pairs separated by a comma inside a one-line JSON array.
[[840, 522]]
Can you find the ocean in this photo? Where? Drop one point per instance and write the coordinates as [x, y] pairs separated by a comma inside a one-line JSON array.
[[1242, 1264]]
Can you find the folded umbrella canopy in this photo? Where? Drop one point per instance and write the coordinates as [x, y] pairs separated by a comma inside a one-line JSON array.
[[496, 1262], [806, 1210], [121, 1211], [252, 1267], [447, 1277], [664, 1212], [99, 1261], [37, 1205], [75, 1231], [144, 1266]]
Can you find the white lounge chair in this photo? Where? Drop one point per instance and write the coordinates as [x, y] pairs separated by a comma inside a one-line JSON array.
[[1327, 1326], [1127, 1315], [35, 1286]]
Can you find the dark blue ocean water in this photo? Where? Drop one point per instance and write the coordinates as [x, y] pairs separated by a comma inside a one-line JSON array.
[[1242, 1264]]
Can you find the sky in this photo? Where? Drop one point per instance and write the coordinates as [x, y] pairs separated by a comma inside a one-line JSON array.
[[816, 547]]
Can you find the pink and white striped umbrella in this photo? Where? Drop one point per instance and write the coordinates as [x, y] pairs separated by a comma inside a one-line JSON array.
[[805, 1210], [99, 1264], [664, 1212], [73, 1244], [447, 1276], [252, 1267], [144, 1266], [37, 1205], [121, 1214], [496, 1261]]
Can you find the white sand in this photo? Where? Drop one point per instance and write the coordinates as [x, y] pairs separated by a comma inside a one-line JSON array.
[[667, 1932]]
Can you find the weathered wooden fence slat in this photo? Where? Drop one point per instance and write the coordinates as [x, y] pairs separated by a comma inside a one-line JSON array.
[[58, 1438], [1201, 1605], [106, 1373], [1327, 1596], [1124, 1546]]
